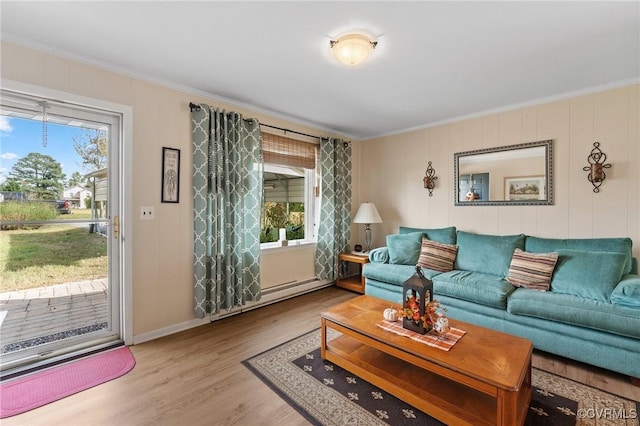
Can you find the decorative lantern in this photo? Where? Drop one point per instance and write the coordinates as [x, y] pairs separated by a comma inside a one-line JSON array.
[[417, 292]]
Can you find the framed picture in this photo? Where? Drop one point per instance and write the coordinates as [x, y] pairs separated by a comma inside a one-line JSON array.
[[170, 175], [524, 188]]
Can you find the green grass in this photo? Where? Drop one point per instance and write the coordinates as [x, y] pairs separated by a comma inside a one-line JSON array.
[[52, 254], [76, 214], [12, 211]]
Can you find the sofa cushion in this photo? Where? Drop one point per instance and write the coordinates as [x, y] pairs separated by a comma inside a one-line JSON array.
[[441, 235], [393, 274], [588, 274], [615, 245], [532, 270], [490, 254], [627, 292], [404, 249], [437, 256], [477, 287], [575, 310]]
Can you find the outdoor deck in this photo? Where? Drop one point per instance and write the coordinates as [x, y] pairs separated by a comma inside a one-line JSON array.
[[32, 317]]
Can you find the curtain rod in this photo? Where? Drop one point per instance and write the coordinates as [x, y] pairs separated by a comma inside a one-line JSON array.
[[292, 131], [195, 107]]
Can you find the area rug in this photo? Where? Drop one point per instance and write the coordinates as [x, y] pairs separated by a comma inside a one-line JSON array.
[[29, 392], [326, 394]]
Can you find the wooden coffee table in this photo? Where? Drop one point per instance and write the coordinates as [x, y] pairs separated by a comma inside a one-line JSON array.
[[485, 378]]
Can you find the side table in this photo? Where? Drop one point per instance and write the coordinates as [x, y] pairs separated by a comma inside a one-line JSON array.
[[353, 282]]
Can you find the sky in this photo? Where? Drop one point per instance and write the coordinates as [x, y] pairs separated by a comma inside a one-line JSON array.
[[19, 137]]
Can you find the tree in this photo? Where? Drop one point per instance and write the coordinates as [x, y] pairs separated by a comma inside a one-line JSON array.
[[76, 179], [11, 185], [91, 146], [40, 176]]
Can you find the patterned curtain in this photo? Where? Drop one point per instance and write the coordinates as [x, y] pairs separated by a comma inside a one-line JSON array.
[[334, 230], [227, 191]]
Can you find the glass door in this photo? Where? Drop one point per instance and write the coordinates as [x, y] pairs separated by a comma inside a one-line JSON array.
[[59, 229]]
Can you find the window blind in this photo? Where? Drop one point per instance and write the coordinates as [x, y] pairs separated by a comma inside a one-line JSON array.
[[285, 151]]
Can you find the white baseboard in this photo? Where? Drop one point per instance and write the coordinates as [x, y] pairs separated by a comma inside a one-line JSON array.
[[176, 328], [272, 296]]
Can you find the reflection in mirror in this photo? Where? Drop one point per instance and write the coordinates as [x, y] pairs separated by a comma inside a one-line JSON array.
[[508, 175]]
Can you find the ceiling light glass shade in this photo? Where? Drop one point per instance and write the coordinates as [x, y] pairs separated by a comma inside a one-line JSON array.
[[352, 49], [367, 213]]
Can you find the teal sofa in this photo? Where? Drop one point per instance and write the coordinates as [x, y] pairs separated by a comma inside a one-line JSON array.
[[591, 312]]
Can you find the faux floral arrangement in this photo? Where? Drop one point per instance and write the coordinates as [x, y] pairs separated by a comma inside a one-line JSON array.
[[433, 312]]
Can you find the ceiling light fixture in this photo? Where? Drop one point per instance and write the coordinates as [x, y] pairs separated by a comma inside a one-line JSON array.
[[352, 49]]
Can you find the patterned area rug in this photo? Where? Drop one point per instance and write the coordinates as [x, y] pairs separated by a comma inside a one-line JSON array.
[[326, 394]]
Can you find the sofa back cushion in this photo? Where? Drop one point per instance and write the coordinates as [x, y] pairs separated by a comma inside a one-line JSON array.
[[614, 245], [404, 249], [589, 274], [490, 254], [441, 235]]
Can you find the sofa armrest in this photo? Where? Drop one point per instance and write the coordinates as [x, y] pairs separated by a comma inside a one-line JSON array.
[[627, 292], [379, 255]]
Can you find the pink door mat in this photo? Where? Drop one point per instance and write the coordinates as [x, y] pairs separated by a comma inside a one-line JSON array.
[[33, 391]]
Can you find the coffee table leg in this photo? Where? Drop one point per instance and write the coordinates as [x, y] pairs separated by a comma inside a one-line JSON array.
[[512, 407]]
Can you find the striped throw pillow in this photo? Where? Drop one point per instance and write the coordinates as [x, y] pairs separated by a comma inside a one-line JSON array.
[[532, 270], [437, 256]]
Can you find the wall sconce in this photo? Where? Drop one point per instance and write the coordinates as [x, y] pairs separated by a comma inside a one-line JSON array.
[[430, 179], [596, 167]]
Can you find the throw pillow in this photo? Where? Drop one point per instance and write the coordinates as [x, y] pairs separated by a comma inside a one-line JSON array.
[[437, 256], [404, 249], [532, 270]]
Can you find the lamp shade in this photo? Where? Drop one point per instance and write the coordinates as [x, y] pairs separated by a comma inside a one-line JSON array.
[[367, 213]]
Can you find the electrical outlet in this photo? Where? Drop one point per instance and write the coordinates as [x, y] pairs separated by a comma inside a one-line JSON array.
[[146, 213]]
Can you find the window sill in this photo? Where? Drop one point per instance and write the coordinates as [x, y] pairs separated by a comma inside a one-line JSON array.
[[293, 245]]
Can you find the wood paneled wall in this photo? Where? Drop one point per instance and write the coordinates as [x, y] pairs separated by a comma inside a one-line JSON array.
[[393, 168]]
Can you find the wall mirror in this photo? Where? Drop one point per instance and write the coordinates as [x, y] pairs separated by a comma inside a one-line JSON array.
[[505, 176]]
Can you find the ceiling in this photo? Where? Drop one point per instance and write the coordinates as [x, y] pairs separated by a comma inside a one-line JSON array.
[[435, 61]]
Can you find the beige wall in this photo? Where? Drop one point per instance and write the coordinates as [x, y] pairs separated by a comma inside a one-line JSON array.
[[394, 167], [162, 248]]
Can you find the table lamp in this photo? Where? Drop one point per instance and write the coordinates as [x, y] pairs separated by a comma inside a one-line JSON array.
[[367, 214]]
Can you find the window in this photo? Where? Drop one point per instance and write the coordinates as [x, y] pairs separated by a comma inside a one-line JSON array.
[[289, 190]]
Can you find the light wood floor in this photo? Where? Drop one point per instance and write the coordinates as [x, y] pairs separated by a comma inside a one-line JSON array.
[[196, 377]]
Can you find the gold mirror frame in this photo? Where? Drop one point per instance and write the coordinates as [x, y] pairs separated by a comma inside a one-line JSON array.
[[518, 187]]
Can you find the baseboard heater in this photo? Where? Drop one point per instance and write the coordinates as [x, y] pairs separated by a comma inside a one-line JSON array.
[[285, 288]]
